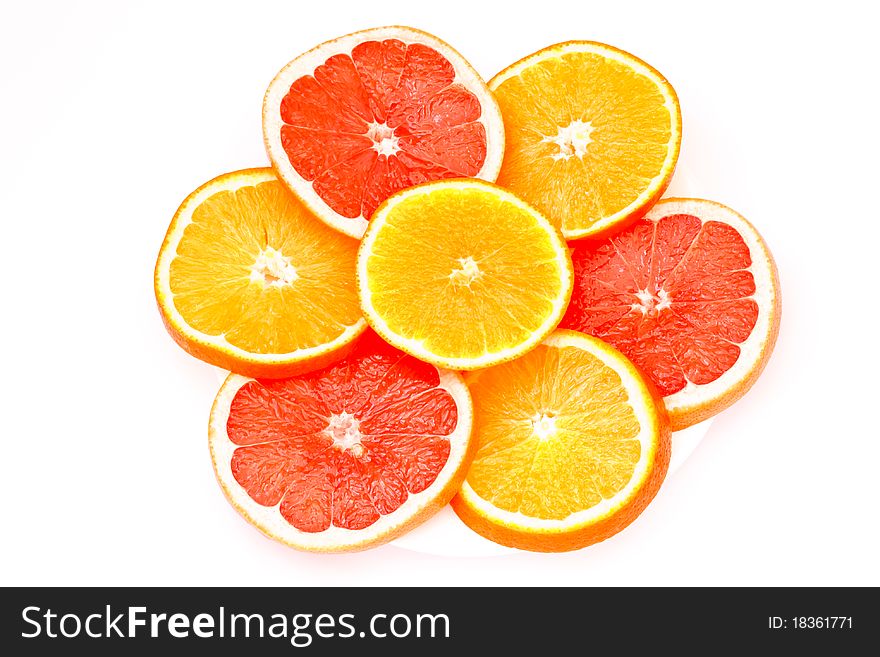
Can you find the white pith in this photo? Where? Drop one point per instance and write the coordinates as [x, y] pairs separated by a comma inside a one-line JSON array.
[[416, 346], [385, 141], [273, 268], [751, 351], [466, 273], [306, 63], [182, 219], [344, 430], [639, 67], [544, 426], [652, 304], [648, 438], [335, 539], [571, 139]]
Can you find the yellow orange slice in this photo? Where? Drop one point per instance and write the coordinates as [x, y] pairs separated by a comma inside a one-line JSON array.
[[249, 280], [462, 274], [593, 135], [571, 446]]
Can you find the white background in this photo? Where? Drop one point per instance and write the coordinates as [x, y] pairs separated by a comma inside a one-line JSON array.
[[112, 114]]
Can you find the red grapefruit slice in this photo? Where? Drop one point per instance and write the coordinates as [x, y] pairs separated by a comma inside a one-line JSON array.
[[690, 294], [347, 457], [361, 117]]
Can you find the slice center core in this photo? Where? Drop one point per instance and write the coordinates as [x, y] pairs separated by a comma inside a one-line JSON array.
[[344, 430], [544, 426], [383, 138], [272, 268], [466, 273], [572, 139], [652, 304]]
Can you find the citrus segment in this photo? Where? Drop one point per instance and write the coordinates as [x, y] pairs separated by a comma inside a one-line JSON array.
[[359, 118], [571, 446], [346, 457], [462, 274], [690, 294], [593, 135], [249, 280]]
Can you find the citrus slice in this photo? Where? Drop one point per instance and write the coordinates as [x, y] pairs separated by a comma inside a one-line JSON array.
[[593, 135], [571, 446], [249, 280], [462, 274], [690, 294], [361, 117], [347, 457]]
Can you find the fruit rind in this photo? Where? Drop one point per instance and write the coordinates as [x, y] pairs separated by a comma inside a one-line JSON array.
[[216, 350], [641, 205], [306, 63], [697, 403], [609, 517], [415, 347], [416, 509]]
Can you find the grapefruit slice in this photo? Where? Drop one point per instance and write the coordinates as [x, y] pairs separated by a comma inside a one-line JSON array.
[[356, 119], [690, 293], [571, 446], [593, 135], [249, 280], [347, 457], [462, 274]]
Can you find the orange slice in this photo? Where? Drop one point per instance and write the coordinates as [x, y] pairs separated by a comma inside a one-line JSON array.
[[571, 446], [347, 457], [462, 274], [690, 293], [249, 280], [593, 135], [361, 117]]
